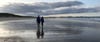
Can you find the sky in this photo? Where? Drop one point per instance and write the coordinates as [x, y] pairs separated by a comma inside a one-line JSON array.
[[91, 3], [49, 7], [87, 2]]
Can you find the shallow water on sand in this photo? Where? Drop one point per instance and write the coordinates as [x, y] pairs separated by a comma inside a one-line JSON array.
[[56, 30]]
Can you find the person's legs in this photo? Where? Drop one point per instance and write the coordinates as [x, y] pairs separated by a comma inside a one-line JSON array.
[[38, 30], [42, 25], [42, 32]]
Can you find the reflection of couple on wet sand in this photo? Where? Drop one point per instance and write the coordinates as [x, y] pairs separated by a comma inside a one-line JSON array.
[[40, 32]]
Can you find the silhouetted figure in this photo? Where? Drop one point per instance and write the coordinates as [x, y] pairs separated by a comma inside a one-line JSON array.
[[42, 31], [38, 25]]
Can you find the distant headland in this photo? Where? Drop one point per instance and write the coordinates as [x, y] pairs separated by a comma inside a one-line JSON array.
[[13, 15]]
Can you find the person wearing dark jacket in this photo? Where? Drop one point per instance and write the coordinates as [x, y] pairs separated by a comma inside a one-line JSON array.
[[38, 19], [42, 31], [42, 20]]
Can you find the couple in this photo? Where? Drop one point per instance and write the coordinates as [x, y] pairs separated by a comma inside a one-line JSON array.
[[40, 32]]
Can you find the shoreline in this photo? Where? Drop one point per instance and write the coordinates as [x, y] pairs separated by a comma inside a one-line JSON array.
[[12, 18]]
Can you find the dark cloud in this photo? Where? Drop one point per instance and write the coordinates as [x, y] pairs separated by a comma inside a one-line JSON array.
[[66, 4], [44, 8]]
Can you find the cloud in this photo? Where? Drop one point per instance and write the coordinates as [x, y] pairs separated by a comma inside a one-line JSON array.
[[66, 10], [44, 8]]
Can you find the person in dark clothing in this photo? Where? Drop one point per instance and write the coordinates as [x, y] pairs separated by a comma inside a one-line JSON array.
[[38, 20], [42, 21], [38, 25], [42, 31]]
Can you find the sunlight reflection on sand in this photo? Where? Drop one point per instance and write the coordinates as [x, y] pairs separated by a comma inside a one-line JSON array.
[[11, 39]]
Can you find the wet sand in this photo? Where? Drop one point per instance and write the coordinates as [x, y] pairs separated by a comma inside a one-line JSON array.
[[12, 39], [56, 30]]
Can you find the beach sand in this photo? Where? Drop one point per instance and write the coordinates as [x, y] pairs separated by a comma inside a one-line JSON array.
[[12, 39], [56, 30]]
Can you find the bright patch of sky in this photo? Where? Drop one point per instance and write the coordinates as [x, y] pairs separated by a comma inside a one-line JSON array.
[[5, 2], [90, 3]]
